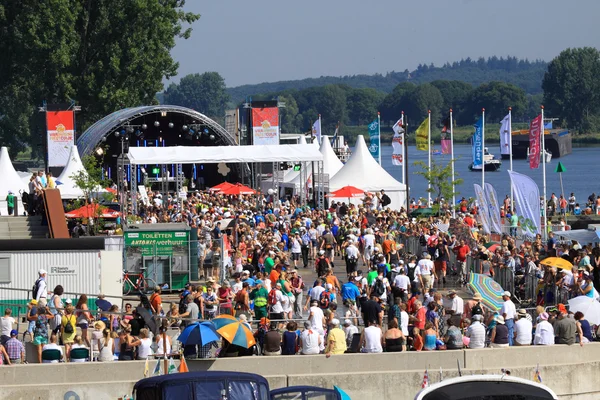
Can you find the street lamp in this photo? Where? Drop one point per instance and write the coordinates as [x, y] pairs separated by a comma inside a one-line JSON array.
[[123, 137]]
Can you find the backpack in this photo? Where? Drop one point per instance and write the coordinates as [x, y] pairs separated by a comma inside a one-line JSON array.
[[378, 288], [477, 310], [272, 300], [324, 299], [391, 276], [69, 326], [36, 289]]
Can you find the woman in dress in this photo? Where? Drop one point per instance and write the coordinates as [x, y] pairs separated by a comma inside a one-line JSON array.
[[83, 318], [55, 305], [68, 324], [40, 331], [106, 346]]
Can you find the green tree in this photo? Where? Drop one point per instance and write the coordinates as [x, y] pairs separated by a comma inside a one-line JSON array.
[[105, 55], [440, 178], [392, 105], [572, 87], [204, 93], [423, 98], [291, 120], [363, 104], [455, 95], [496, 97]]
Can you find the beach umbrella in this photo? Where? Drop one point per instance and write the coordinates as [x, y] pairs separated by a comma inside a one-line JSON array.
[[588, 306], [557, 262], [348, 192], [235, 332], [198, 333], [221, 186], [92, 210], [489, 289], [238, 189], [491, 246]]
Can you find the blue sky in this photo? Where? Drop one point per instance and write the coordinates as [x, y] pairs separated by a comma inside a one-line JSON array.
[[270, 40]]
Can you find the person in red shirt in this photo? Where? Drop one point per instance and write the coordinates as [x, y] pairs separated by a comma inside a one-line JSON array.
[[469, 220], [419, 318], [462, 251]]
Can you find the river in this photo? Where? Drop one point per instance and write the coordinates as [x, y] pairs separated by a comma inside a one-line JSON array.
[[579, 177]]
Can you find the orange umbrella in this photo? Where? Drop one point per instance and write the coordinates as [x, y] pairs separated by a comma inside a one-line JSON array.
[[348, 191], [237, 190], [234, 331], [221, 186], [92, 210]]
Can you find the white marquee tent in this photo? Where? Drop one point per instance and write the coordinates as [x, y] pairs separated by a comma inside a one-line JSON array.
[[66, 185], [9, 180], [363, 172]]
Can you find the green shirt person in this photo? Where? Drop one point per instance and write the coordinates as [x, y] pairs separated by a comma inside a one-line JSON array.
[[10, 202], [260, 297], [514, 221], [269, 264]]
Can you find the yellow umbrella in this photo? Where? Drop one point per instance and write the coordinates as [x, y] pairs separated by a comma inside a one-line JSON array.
[[557, 262]]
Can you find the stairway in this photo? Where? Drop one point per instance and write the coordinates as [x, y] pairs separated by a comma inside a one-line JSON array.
[[22, 228]]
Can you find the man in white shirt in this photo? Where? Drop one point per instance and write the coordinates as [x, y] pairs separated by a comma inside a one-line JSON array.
[[277, 308], [509, 311], [544, 331], [476, 333], [352, 256], [523, 329], [425, 270], [310, 340], [316, 316], [314, 293], [401, 284], [42, 287], [369, 241], [349, 330], [456, 307]]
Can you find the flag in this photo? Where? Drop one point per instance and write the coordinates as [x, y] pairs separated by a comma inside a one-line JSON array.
[[534, 142], [425, 380], [156, 371], [446, 146], [422, 136], [536, 376], [505, 135], [527, 201], [398, 142], [548, 125], [374, 139], [483, 210], [183, 365], [446, 124], [172, 368], [147, 369], [335, 134], [316, 130], [477, 143], [493, 208]]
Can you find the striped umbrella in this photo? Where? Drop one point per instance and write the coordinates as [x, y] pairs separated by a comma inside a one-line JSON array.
[[489, 289], [235, 332]]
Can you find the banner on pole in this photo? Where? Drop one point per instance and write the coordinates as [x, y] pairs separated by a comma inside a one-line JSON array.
[[265, 125], [61, 136], [527, 202], [477, 144], [505, 135], [483, 210], [316, 130], [422, 136], [374, 139], [398, 142], [535, 142], [493, 208], [446, 146]]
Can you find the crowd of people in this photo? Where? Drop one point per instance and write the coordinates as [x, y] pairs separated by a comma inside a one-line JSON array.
[[380, 280]]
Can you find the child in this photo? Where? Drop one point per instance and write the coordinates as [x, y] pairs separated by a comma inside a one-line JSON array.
[[417, 340]]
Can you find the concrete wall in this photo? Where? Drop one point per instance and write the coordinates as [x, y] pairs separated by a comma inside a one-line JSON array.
[[569, 371]]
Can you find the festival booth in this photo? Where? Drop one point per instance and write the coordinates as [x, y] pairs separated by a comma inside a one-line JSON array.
[[362, 171], [9, 181]]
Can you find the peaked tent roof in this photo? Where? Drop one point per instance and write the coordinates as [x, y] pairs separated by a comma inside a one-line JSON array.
[[67, 187], [364, 172], [9, 179], [331, 163]]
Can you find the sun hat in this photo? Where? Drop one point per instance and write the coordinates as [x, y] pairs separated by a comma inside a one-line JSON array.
[[562, 308], [544, 316], [499, 319], [347, 322], [506, 293], [477, 296]]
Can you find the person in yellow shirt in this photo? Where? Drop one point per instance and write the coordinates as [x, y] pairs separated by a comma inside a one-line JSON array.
[[336, 340], [50, 179]]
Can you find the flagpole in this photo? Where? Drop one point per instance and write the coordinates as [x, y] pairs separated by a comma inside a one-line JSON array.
[[452, 161], [544, 174], [429, 157], [512, 204], [405, 161], [320, 130], [483, 148], [379, 135]]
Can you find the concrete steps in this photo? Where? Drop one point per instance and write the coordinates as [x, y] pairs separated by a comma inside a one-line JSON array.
[[22, 228]]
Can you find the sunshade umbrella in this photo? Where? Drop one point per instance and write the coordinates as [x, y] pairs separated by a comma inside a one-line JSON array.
[[489, 289], [347, 191], [588, 306], [237, 190], [147, 317], [92, 210], [491, 246], [557, 262], [103, 305], [234, 331], [221, 186], [198, 333]]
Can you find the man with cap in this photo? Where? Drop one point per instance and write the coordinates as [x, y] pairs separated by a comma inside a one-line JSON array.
[[40, 286], [401, 283], [476, 333], [523, 329], [565, 328], [15, 348], [336, 339], [508, 312], [349, 330]]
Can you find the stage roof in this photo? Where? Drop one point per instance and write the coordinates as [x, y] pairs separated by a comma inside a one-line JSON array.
[[227, 154]]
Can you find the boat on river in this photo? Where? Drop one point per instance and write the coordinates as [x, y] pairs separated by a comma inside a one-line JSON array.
[[559, 142], [490, 163]]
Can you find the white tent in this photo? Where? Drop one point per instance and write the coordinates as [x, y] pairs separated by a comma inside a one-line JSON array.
[[331, 162], [583, 236], [9, 180], [363, 172], [67, 187]]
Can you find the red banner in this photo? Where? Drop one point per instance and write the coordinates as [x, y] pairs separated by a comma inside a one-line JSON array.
[[265, 125], [446, 146], [534, 142], [61, 136]]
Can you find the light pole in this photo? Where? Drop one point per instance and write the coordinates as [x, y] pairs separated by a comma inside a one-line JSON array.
[[123, 137]]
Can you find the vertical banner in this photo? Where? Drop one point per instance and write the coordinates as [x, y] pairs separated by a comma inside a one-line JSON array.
[[61, 136], [265, 125], [483, 210], [316, 130], [374, 139], [398, 142], [446, 146], [505, 135], [422, 136], [534, 142], [477, 142], [527, 202], [493, 208], [446, 142]]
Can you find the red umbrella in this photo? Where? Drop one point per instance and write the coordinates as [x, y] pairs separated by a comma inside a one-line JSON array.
[[237, 190], [348, 191], [111, 190], [92, 210], [221, 186]]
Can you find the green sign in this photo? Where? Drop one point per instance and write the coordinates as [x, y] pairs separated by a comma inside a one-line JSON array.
[[156, 170], [297, 167], [160, 243], [560, 168]]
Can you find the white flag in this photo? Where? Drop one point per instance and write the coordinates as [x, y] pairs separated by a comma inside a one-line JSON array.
[[316, 130], [482, 211], [527, 202], [398, 142], [505, 135], [493, 208]]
